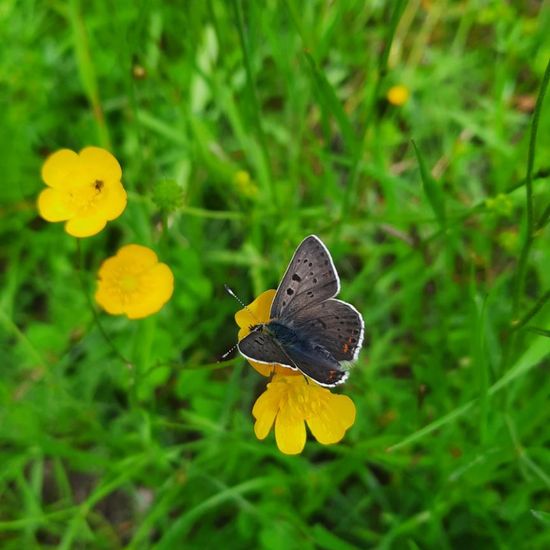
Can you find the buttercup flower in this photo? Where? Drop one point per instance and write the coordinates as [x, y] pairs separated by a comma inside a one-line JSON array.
[[134, 283], [291, 400], [398, 95], [84, 190]]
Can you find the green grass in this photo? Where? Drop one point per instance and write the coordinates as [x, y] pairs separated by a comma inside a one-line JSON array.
[[442, 245]]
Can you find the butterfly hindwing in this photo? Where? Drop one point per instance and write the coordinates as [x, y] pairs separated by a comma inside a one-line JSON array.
[[309, 279], [336, 325], [262, 347], [318, 364]]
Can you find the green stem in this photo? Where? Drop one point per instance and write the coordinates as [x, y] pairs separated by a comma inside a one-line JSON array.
[[529, 235], [533, 311]]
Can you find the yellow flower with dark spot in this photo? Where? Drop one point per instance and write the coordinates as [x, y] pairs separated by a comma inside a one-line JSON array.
[[398, 95], [291, 400], [84, 190], [134, 283]]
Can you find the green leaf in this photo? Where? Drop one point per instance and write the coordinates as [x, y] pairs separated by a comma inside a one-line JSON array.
[[432, 189]]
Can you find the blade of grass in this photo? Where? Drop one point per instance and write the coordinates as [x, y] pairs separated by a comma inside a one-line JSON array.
[[181, 525], [432, 189], [529, 221], [265, 168], [87, 71], [530, 359], [351, 189], [539, 331], [329, 100]]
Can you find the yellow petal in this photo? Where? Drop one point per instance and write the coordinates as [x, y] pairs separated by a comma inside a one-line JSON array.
[[137, 258], [113, 200], [265, 410], [108, 268], [85, 226], [58, 167], [344, 409], [109, 300], [155, 292], [52, 206], [290, 431], [256, 312], [262, 368], [329, 423], [100, 164]]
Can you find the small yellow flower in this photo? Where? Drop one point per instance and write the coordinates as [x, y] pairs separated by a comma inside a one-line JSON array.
[[84, 190], [244, 184], [292, 401], [134, 283], [255, 313], [398, 95]]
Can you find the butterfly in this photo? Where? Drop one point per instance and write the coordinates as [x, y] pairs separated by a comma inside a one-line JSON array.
[[309, 330]]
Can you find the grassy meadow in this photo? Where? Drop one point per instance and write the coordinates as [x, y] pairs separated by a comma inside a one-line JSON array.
[[413, 137]]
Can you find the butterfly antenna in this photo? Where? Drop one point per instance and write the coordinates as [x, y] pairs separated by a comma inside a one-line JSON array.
[[231, 293], [227, 353]]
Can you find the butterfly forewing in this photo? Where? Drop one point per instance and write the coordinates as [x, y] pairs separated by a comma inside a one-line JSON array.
[[310, 279], [334, 324]]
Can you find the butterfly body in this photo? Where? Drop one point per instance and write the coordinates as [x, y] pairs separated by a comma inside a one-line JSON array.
[[296, 346], [309, 330]]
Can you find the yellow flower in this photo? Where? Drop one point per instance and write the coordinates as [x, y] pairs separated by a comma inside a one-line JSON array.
[[84, 190], [244, 183], [398, 95], [255, 313], [292, 401], [134, 283]]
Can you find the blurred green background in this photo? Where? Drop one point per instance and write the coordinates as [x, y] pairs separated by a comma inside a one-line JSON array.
[[272, 119]]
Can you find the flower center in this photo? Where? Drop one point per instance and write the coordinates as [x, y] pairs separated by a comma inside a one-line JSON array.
[[128, 283], [85, 198]]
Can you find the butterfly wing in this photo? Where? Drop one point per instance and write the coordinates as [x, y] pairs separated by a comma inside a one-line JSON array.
[[262, 348], [312, 359], [309, 279], [334, 324], [318, 364]]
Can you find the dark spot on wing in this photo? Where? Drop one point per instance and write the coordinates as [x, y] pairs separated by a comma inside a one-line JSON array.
[[289, 291], [296, 277]]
